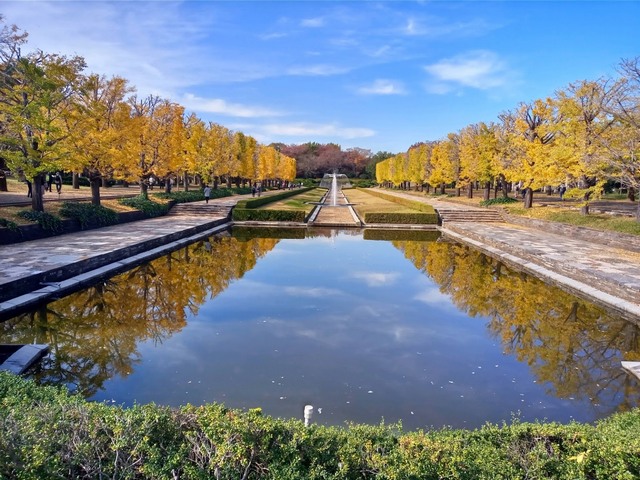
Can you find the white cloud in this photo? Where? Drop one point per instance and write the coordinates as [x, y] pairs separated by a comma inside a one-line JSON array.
[[320, 70], [313, 22], [217, 105], [433, 297], [312, 292], [479, 69], [307, 129], [383, 87], [376, 279]]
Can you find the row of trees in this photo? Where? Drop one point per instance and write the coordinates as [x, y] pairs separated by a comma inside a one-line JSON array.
[[53, 117], [314, 159], [584, 136]]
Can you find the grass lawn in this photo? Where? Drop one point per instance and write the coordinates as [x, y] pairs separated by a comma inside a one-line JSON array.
[[367, 203], [304, 201]]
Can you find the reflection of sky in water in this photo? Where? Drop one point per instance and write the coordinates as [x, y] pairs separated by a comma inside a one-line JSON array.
[[350, 327]]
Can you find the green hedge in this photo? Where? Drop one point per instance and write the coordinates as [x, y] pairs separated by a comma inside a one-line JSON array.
[[401, 218], [148, 207], [46, 220], [421, 207], [499, 201], [253, 215], [45, 433], [88, 214]]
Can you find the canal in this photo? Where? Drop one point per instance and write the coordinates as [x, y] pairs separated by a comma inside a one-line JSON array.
[[365, 326]]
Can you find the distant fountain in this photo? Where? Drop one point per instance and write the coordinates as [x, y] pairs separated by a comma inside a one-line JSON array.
[[334, 182], [334, 191]]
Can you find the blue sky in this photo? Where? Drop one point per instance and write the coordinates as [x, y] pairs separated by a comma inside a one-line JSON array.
[[374, 75]]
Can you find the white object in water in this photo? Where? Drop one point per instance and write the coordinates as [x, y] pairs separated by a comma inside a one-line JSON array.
[[308, 413]]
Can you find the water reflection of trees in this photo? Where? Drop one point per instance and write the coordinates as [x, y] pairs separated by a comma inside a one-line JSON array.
[[93, 334], [572, 346]]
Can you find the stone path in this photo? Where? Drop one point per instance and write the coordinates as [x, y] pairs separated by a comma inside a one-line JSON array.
[[340, 215]]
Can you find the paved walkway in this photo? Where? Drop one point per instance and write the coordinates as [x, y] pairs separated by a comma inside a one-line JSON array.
[[339, 215]]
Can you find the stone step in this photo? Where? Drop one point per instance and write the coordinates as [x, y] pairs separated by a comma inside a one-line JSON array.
[[201, 209], [447, 215]]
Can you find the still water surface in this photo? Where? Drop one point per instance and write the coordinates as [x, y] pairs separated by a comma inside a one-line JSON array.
[[429, 333]]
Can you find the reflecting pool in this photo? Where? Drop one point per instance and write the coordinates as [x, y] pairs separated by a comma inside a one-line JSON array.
[[364, 327]]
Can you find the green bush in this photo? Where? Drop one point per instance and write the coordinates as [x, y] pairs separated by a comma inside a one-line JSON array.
[[8, 224], [46, 433], [46, 220], [499, 201], [181, 196], [251, 214], [148, 207], [88, 214], [420, 218]]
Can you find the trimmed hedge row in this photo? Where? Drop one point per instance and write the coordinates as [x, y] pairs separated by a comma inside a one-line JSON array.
[[397, 217], [251, 214], [45, 433]]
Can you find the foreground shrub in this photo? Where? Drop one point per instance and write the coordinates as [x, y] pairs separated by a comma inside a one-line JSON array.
[[148, 207], [46, 433], [88, 214], [46, 220]]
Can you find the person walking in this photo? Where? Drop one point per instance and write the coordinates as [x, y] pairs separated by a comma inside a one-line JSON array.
[[207, 193], [58, 181], [562, 190]]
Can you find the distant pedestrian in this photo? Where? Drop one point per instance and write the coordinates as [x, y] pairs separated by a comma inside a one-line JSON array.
[[259, 189], [58, 181], [207, 193], [49, 181], [562, 190], [253, 191], [29, 188]]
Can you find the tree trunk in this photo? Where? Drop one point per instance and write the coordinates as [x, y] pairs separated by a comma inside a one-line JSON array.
[[95, 190], [631, 194], [37, 204], [185, 180], [638, 213], [487, 191], [75, 181], [470, 191], [528, 198], [442, 188], [3, 182], [104, 182], [144, 190], [167, 185], [584, 210]]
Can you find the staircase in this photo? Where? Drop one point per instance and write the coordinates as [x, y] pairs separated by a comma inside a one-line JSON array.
[[201, 209], [448, 215]]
